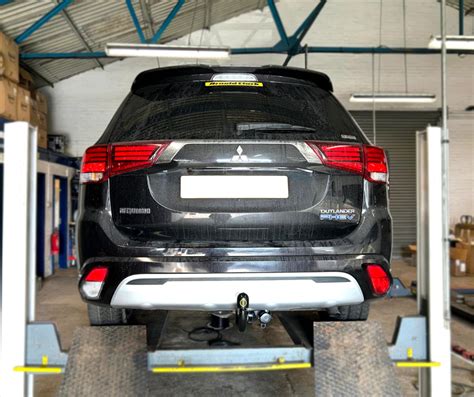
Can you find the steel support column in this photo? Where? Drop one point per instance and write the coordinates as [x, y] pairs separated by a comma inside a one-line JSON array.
[[40, 22]]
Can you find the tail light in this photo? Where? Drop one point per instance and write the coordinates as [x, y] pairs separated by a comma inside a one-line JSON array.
[[101, 162], [378, 279], [365, 160], [94, 281]]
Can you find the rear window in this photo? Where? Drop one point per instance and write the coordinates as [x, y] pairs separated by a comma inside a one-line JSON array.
[[196, 110]]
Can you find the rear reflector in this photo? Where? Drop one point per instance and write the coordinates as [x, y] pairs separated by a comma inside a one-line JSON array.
[[98, 274], [94, 281], [101, 162], [379, 279], [365, 160]]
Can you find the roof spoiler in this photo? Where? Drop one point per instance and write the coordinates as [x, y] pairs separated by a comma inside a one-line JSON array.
[[155, 76]]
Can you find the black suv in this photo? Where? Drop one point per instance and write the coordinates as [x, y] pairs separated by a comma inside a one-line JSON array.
[[211, 182]]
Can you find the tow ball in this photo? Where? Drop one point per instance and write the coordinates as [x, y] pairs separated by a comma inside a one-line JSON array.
[[241, 317]]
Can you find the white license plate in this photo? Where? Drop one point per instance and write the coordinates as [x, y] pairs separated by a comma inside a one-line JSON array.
[[234, 187]]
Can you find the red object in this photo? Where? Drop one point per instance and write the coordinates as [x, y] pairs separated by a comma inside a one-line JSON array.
[[108, 160], [379, 279], [97, 274], [368, 161], [55, 243]]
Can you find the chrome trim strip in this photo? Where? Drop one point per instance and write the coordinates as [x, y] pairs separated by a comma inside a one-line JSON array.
[[175, 146]]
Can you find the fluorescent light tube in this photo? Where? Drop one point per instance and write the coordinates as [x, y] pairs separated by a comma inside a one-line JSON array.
[[165, 51], [393, 98], [453, 43]]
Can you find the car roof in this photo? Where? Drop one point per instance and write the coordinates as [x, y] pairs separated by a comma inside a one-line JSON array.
[[155, 76]]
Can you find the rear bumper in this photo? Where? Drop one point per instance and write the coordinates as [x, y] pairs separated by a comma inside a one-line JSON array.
[[271, 291], [208, 282]]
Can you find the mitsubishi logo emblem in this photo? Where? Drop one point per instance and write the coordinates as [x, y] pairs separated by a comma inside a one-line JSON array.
[[239, 157]]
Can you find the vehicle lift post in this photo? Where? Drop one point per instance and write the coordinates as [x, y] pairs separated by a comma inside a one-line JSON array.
[[30, 348]]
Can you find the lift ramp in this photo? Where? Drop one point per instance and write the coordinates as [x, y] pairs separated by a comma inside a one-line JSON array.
[[106, 361], [350, 359]]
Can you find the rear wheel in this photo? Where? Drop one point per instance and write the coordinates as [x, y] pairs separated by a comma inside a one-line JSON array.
[[350, 313], [103, 315]]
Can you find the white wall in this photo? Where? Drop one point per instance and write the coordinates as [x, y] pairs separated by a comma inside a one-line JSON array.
[[82, 106]]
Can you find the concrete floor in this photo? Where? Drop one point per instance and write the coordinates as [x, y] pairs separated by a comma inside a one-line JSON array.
[[59, 301]]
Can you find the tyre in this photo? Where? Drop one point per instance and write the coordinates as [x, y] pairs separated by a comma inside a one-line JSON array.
[[103, 315], [350, 313]]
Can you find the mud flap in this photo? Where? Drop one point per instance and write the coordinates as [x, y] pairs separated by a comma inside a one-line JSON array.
[[352, 359], [106, 361]]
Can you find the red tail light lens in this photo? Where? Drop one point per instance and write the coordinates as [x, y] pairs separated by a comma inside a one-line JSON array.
[[376, 169], [344, 157], [369, 161], [97, 275], [94, 164], [103, 161], [379, 279]]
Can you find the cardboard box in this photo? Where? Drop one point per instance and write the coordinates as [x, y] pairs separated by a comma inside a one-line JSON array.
[[458, 256], [469, 257], [42, 102], [8, 95], [42, 138], [23, 105], [26, 80], [34, 114], [9, 58], [42, 121]]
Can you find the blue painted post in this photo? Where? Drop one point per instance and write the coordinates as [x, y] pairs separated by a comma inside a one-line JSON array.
[[166, 22], [135, 20], [461, 17], [40, 22]]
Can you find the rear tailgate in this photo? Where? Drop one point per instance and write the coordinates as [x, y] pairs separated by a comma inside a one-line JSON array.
[[210, 192]]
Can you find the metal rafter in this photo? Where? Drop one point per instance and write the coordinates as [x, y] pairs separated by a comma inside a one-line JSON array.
[[279, 24], [300, 33], [78, 34], [135, 21], [293, 48], [40, 22], [166, 22], [208, 14], [150, 26]]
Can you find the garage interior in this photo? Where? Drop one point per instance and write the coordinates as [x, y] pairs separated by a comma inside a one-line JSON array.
[[64, 84]]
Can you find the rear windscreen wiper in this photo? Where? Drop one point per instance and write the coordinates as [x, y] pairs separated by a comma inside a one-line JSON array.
[[280, 127]]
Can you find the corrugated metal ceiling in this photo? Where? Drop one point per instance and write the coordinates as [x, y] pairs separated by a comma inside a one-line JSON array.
[[99, 22], [468, 5]]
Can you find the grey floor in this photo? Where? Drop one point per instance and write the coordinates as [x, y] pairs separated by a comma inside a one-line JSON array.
[[58, 301]]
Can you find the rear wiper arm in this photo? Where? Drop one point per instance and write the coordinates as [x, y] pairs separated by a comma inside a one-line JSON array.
[[272, 127]]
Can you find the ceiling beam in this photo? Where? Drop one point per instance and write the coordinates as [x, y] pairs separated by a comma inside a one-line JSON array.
[[150, 26], [265, 50], [40, 22], [135, 21], [156, 37], [208, 14], [78, 34]]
